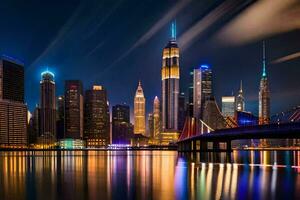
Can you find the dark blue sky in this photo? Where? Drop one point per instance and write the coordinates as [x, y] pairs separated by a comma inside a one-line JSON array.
[[90, 41]]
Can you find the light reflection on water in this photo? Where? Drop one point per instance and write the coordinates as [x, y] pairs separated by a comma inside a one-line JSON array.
[[149, 175]]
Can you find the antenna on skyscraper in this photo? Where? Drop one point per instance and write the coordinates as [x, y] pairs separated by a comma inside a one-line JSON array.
[[264, 60], [173, 30]]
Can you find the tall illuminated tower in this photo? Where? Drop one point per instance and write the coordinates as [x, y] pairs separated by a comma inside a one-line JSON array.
[[264, 94], [139, 111], [48, 107], [156, 117], [13, 111], [170, 84], [96, 117], [240, 100], [202, 89], [73, 109]]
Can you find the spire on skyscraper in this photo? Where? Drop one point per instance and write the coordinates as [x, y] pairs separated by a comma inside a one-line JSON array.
[[173, 30], [241, 86], [264, 74]]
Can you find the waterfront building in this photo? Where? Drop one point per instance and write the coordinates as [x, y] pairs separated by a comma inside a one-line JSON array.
[[121, 126], [240, 100], [73, 109], [70, 144], [156, 117], [96, 117], [228, 106], [13, 111], [36, 123], [150, 125], [47, 108], [60, 117], [181, 111], [190, 107], [202, 89], [264, 94], [170, 84], [139, 111]]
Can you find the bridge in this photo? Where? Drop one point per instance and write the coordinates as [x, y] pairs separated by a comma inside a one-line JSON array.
[[198, 136]]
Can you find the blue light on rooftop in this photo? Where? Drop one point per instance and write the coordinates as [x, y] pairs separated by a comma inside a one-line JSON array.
[[205, 66], [47, 72]]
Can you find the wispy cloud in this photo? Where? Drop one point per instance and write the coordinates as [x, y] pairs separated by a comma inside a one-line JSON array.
[[262, 19]]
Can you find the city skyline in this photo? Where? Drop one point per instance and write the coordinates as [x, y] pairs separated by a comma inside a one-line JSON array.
[[59, 59], [131, 99]]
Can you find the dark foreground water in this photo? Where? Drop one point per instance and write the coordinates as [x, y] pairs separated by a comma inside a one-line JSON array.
[[149, 175]]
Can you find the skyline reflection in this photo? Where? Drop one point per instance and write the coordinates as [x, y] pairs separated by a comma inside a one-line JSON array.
[[149, 175]]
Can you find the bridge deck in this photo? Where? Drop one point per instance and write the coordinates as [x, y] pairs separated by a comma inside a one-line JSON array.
[[280, 131]]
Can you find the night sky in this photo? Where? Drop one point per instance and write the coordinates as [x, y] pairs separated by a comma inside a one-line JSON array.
[[116, 43]]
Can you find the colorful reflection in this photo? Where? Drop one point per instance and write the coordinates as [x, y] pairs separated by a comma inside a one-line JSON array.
[[149, 175]]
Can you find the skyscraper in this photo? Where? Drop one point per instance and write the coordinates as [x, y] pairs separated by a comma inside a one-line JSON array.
[[181, 111], [13, 111], [139, 111], [156, 117], [191, 95], [170, 84], [202, 89], [73, 109], [228, 106], [96, 117], [150, 125], [48, 107], [240, 100], [11, 79], [60, 117], [121, 127], [264, 94]]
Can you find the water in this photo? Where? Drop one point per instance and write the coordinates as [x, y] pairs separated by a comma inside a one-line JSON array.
[[149, 175]]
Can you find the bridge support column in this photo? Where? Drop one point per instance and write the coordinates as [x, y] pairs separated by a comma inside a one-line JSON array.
[[203, 146], [216, 146], [193, 145], [228, 146]]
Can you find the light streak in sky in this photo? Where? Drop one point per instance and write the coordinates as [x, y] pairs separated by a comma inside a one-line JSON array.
[[286, 58], [61, 34], [170, 15], [260, 20], [188, 37]]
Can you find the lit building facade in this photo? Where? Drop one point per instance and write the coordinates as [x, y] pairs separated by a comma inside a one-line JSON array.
[[264, 94], [96, 118], [60, 117], [170, 73], [73, 109], [228, 106], [202, 89], [190, 108], [121, 126], [240, 100], [48, 107], [13, 111], [139, 111], [150, 125], [156, 117]]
